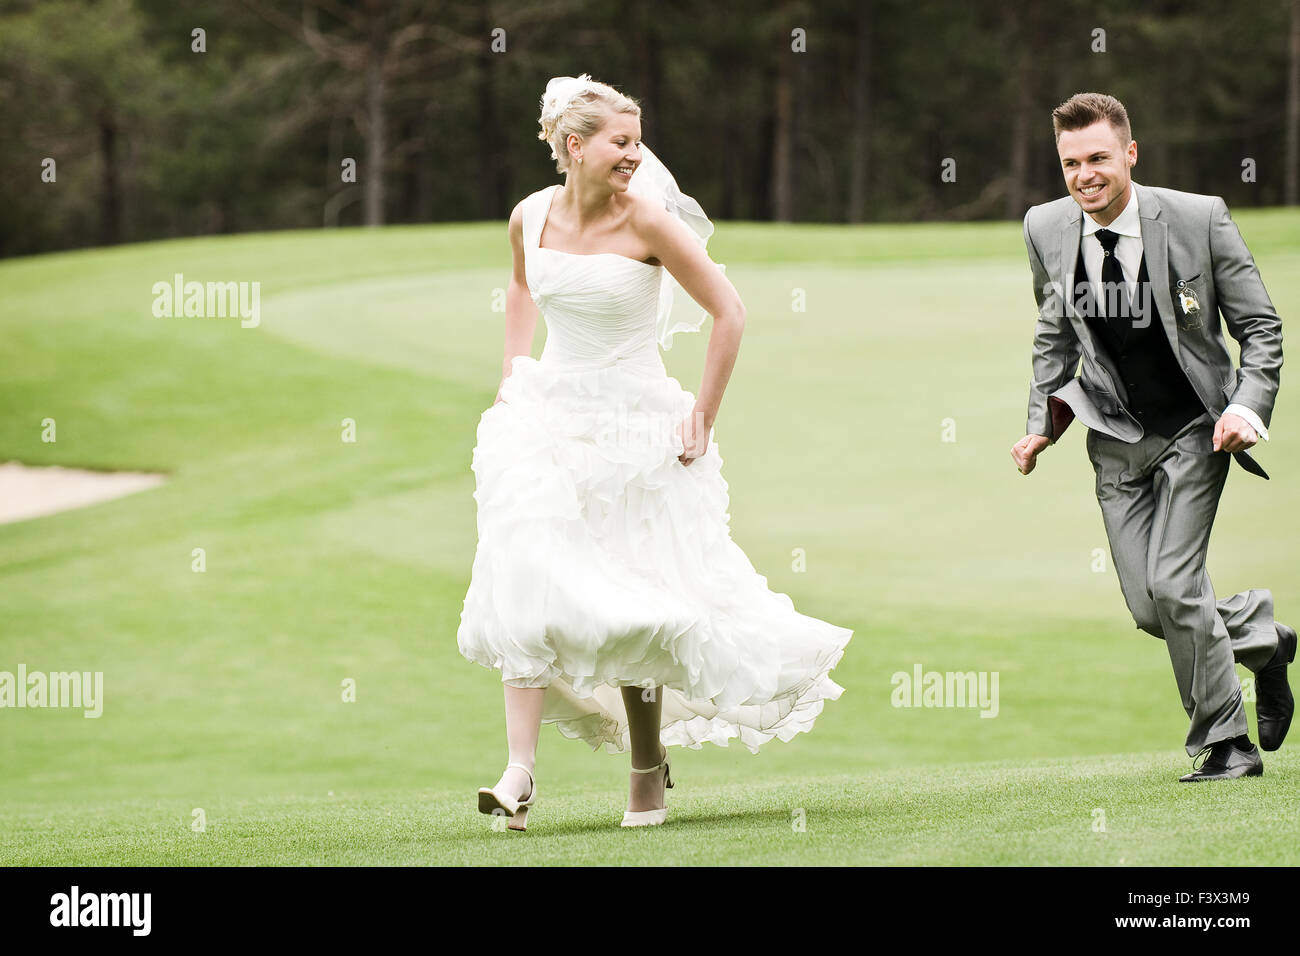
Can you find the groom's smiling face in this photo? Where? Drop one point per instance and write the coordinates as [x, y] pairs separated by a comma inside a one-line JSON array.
[[1096, 168]]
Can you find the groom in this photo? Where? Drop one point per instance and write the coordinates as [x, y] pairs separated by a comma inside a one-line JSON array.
[[1132, 280]]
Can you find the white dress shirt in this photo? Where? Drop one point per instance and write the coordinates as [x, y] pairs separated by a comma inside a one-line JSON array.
[[1128, 252]]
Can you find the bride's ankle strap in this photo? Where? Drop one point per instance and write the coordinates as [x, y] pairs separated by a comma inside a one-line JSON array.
[[658, 766], [523, 768]]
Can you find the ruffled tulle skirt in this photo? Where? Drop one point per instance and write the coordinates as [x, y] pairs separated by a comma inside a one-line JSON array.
[[604, 562]]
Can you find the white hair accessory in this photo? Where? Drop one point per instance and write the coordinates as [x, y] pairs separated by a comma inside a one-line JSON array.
[[560, 91]]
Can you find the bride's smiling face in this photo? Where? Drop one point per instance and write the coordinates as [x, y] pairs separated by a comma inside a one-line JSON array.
[[613, 153]]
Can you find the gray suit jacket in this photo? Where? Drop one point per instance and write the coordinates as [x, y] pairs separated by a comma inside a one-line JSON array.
[[1186, 238]]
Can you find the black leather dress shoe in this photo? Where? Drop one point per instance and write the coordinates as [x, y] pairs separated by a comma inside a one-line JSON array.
[[1274, 704], [1226, 761]]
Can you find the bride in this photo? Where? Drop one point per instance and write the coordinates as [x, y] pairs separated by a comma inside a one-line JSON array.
[[605, 586]]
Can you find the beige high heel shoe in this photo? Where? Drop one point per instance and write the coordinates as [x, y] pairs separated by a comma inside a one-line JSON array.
[[490, 801], [650, 818]]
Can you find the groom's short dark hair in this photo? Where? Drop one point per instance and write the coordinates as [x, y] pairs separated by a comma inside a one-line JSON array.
[[1084, 109]]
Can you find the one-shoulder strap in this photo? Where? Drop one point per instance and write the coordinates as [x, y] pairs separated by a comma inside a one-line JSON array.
[[534, 212]]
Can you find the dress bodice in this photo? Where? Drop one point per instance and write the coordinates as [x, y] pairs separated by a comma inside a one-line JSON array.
[[599, 308]]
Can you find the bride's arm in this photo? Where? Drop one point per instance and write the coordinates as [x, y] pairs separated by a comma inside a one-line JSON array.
[[521, 311], [671, 242]]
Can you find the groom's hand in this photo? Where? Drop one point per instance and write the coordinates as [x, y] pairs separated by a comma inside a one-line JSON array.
[[1025, 452], [1232, 433]]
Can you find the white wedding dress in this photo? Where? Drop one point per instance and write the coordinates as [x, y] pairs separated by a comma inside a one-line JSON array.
[[602, 560]]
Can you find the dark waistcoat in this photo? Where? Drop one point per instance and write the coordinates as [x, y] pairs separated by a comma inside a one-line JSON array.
[[1160, 396]]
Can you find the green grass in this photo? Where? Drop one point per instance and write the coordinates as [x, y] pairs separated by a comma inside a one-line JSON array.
[[328, 561], [1118, 810]]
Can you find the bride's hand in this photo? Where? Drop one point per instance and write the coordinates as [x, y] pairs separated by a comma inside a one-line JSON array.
[[695, 437]]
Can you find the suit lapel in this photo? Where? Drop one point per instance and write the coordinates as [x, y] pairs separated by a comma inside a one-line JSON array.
[[1155, 246], [1070, 256], [1071, 235]]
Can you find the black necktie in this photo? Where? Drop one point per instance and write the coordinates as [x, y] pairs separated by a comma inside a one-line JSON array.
[[1113, 288]]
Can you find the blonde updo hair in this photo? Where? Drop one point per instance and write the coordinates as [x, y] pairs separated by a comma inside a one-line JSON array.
[[584, 114]]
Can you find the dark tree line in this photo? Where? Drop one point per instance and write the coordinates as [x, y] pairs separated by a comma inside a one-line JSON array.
[[167, 118]]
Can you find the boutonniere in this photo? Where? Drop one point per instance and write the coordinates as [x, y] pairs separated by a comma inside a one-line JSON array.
[[1190, 304]]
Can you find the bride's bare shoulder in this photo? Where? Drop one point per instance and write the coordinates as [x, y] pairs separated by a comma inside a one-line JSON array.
[[648, 217], [643, 207], [515, 228], [656, 226], [515, 233]]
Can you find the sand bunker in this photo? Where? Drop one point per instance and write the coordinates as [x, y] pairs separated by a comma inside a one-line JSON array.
[[30, 492]]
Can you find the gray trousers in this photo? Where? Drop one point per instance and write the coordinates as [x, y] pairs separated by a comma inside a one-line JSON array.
[[1158, 500]]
